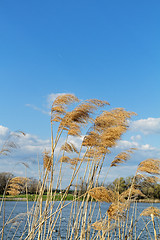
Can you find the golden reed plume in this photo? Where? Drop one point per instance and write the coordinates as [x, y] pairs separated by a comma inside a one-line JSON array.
[[102, 194], [16, 185], [151, 166]]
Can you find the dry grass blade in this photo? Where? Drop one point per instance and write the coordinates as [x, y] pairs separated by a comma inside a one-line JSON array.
[[151, 211], [74, 148], [151, 166], [102, 194]]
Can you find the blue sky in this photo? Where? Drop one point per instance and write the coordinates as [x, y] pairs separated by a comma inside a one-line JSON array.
[[94, 49]]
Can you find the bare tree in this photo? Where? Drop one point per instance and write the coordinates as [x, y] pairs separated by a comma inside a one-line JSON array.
[[4, 178]]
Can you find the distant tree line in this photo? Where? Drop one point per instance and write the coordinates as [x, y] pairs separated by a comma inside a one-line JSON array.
[[32, 183], [151, 189]]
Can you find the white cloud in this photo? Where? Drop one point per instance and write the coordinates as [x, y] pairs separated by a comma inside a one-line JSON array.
[[31, 147], [136, 138], [3, 131], [147, 126], [147, 147], [28, 148], [124, 144], [116, 172]]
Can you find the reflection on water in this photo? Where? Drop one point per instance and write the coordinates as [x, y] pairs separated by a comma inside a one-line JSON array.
[[16, 215]]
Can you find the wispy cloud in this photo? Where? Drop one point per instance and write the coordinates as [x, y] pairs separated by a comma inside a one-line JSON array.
[[38, 109], [49, 100], [146, 126]]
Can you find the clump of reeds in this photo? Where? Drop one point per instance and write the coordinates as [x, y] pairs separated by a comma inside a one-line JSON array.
[[16, 185], [102, 194], [71, 117]]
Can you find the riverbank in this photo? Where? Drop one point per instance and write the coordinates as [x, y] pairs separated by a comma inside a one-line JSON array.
[[33, 197]]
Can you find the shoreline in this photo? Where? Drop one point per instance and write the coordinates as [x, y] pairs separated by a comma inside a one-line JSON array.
[[31, 200]]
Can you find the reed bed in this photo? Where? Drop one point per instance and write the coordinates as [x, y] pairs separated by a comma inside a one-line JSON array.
[[98, 131]]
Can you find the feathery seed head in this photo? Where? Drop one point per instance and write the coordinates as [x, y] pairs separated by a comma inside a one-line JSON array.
[[47, 160], [151, 166], [64, 159], [151, 211], [69, 147], [132, 193], [97, 102], [60, 104], [101, 194], [116, 210], [65, 99], [121, 157], [103, 225]]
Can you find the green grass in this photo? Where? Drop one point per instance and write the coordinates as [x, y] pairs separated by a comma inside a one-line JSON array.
[[31, 197]]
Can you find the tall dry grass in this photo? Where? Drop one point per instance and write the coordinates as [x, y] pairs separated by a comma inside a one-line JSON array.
[[97, 132]]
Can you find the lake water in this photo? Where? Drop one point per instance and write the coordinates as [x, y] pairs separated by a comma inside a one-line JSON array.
[[20, 208]]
